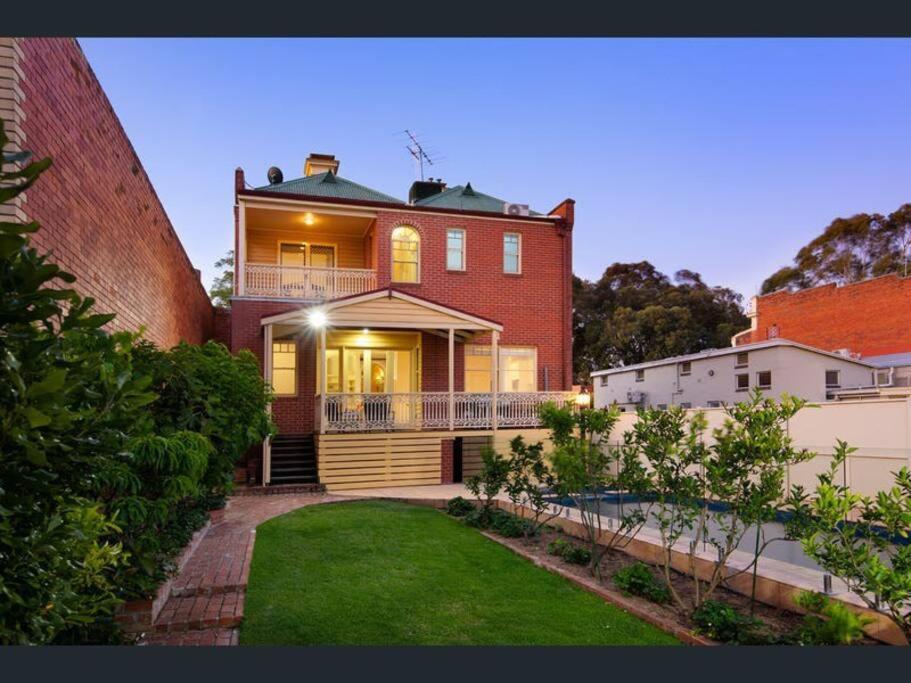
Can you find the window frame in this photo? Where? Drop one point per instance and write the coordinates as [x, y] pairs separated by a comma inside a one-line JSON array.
[[393, 261], [296, 354], [464, 250], [737, 377], [837, 384], [518, 236], [604, 380], [759, 384], [689, 368], [306, 244], [640, 375], [745, 363], [500, 349], [686, 405]]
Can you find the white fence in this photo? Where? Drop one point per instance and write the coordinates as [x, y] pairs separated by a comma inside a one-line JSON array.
[[301, 282], [368, 412], [879, 429]]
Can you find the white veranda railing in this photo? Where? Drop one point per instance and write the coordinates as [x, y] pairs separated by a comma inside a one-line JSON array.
[[304, 282], [368, 412]]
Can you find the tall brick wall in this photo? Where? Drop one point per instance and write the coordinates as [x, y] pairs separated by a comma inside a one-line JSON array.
[[98, 211], [872, 317]]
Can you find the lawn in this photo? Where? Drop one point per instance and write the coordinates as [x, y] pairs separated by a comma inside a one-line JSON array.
[[384, 573]]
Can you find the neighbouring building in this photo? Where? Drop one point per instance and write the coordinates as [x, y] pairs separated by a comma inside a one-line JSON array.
[[100, 216], [720, 377], [399, 336], [868, 320]]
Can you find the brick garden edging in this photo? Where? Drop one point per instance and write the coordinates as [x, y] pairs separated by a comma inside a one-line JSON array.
[[617, 599], [138, 616]]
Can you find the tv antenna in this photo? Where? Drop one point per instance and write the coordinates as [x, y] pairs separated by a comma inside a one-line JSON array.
[[418, 152]]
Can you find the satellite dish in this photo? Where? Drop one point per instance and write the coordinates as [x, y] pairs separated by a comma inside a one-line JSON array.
[[274, 175]]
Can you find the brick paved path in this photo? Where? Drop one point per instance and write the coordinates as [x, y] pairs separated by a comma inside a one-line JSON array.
[[207, 598]]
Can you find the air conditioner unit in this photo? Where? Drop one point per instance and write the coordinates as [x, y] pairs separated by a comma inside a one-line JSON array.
[[515, 209], [635, 396]]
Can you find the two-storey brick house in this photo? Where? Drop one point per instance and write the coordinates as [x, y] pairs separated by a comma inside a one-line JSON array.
[[400, 334]]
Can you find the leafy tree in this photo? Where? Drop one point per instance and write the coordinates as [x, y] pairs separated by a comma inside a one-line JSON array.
[[860, 539], [584, 465], [526, 480], [487, 484], [850, 249], [635, 313], [222, 288]]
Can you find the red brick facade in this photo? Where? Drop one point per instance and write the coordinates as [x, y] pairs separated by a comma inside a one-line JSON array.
[[98, 211], [869, 318], [534, 307], [446, 461]]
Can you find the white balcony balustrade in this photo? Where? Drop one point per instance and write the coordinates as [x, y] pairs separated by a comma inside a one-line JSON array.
[[374, 412], [304, 282]]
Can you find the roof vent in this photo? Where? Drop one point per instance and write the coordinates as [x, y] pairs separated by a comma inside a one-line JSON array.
[[275, 176], [421, 189]]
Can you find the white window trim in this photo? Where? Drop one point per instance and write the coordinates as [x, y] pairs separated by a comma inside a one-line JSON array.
[[392, 255], [500, 348], [686, 373], [738, 364], [518, 271], [464, 250], [737, 386], [763, 386], [837, 384]]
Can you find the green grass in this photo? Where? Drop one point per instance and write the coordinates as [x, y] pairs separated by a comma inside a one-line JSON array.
[[384, 573]]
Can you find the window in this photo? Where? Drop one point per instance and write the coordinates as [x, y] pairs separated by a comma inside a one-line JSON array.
[[455, 249], [686, 405], [640, 375], [284, 368], [518, 369], [833, 378], [714, 404], [406, 254], [512, 253], [685, 368], [742, 381], [662, 406], [603, 380], [743, 359], [764, 379]]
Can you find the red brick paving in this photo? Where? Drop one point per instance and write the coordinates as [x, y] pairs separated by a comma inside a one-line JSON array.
[[207, 597]]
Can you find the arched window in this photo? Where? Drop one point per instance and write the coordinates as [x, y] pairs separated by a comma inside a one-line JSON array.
[[406, 254]]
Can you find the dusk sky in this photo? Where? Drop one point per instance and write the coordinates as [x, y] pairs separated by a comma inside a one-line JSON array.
[[719, 156]]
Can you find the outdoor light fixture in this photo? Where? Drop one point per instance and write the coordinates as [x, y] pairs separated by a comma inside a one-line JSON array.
[[316, 319], [583, 399], [308, 219], [365, 331]]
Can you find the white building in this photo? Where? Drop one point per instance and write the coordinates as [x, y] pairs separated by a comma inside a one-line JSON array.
[[725, 376]]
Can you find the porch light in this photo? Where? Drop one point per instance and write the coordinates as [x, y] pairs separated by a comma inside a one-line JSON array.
[[316, 319], [583, 399], [309, 219]]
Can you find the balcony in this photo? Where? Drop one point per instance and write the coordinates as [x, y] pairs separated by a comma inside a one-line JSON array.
[[306, 283], [383, 412]]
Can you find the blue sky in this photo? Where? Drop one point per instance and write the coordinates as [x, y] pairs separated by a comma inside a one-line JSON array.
[[720, 156]]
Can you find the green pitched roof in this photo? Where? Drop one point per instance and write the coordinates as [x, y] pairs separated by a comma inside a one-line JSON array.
[[466, 198], [329, 185]]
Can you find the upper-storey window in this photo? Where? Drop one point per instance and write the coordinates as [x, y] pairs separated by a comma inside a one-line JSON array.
[[406, 254], [512, 253], [455, 249]]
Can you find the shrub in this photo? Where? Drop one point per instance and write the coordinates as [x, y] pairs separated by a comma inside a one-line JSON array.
[[208, 390], [863, 553], [459, 507], [722, 622], [67, 398], [638, 579], [829, 622], [570, 552], [487, 484], [497, 521]]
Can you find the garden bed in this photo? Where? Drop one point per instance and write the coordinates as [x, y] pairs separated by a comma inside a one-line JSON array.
[[778, 625]]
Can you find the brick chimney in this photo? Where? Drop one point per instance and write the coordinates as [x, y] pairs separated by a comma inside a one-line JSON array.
[[238, 179], [320, 163], [421, 189]]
